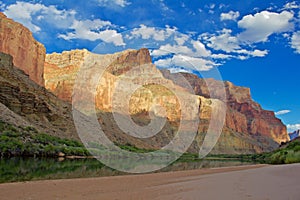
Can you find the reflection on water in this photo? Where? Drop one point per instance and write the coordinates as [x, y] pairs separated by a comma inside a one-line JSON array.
[[25, 169], [210, 163]]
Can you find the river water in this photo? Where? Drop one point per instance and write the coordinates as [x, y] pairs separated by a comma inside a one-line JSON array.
[[28, 169]]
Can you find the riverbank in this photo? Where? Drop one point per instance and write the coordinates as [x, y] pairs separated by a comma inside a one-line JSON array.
[[244, 182], [35, 169]]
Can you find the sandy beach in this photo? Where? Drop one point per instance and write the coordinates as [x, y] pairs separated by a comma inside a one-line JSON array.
[[261, 182]]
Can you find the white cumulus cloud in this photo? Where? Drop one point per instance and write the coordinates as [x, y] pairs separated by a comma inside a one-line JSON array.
[[93, 30], [293, 127], [180, 40], [229, 16], [222, 40], [234, 48], [291, 5], [28, 13], [189, 63], [174, 49], [260, 26], [221, 56], [146, 33], [2, 5], [259, 53], [200, 48], [32, 15], [282, 112], [295, 41], [109, 3], [254, 53]]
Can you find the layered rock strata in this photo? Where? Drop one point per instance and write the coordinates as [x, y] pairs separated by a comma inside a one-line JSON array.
[[24, 103], [17, 41], [248, 128]]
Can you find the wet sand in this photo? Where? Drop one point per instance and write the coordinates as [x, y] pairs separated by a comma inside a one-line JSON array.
[[261, 182]]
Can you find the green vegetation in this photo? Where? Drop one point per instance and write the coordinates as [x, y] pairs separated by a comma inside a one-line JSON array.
[[289, 154], [131, 148], [28, 142], [189, 157], [286, 155], [18, 141]]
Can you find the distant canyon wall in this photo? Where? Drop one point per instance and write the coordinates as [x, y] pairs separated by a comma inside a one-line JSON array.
[[244, 116]]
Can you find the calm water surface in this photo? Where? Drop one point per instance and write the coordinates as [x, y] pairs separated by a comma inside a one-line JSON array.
[[27, 169]]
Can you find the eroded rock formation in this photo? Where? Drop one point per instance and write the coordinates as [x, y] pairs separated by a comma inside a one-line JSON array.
[[243, 114], [248, 128], [24, 103], [28, 54]]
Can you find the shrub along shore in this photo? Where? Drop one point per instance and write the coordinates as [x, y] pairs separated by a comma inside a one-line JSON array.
[[28, 142]]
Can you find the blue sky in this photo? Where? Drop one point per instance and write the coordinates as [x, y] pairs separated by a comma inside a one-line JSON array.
[[252, 43]]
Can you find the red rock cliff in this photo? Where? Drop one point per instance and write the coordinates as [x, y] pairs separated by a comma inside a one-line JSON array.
[[243, 114], [248, 128], [28, 54]]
